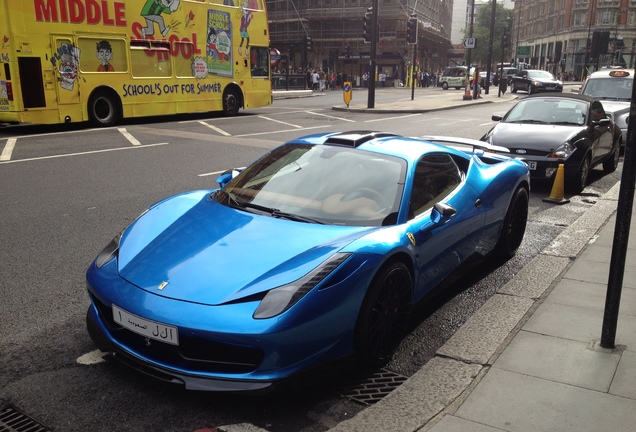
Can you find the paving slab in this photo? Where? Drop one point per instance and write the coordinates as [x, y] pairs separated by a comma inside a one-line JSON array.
[[561, 360], [590, 295], [536, 277], [516, 402]]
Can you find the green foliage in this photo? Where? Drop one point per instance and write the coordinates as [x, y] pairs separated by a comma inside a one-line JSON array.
[[481, 31]]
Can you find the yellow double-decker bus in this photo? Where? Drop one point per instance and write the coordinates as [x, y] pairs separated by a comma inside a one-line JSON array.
[[67, 61]]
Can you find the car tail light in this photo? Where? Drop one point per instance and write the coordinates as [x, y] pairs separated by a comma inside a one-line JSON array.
[[9, 91]]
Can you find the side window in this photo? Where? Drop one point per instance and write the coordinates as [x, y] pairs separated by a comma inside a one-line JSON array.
[[436, 176], [598, 112]]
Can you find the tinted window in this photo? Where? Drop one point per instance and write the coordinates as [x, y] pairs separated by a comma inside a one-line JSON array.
[[436, 176]]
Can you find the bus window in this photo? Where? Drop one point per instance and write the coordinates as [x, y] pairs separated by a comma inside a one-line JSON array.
[[150, 60], [183, 65], [102, 55], [260, 62]]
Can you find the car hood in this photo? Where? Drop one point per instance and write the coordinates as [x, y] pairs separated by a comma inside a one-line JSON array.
[[536, 137], [192, 248], [615, 107]]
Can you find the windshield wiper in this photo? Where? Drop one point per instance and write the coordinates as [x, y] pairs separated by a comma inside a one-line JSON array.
[[277, 213], [529, 121]]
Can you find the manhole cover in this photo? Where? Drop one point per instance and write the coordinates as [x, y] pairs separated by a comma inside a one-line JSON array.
[[373, 388], [12, 420]]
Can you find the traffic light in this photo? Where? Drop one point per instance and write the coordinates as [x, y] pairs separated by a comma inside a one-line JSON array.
[[367, 25], [349, 52], [411, 30], [564, 60], [308, 43], [292, 52]]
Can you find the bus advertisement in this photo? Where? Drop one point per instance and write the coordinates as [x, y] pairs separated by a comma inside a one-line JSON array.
[[65, 61]]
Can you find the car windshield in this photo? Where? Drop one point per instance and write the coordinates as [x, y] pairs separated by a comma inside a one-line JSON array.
[[539, 74], [567, 112], [610, 88], [322, 184]]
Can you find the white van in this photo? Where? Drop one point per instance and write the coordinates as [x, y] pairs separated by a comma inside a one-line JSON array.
[[453, 77]]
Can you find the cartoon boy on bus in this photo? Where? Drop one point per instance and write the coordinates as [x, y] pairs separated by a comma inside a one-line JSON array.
[[246, 19], [152, 11], [105, 55]]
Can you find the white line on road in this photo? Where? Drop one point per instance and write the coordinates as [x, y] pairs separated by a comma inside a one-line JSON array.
[[333, 117], [219, 130], [82, 153], [8, 149], [128, 136], [392, 118], [280, 131], [279, 121]]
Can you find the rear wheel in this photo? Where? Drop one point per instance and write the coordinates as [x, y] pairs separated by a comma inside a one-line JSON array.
[[231, 102], [514, 225], [384, 315], [103, 109], [513, 88]]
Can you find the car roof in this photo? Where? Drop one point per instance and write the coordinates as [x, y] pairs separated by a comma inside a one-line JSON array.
[[575, 96], [605, 73]]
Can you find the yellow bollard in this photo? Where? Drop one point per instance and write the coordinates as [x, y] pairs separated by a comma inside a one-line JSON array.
[[556, 196]]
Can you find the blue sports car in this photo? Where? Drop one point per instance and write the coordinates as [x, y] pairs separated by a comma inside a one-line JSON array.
[[314, 253]]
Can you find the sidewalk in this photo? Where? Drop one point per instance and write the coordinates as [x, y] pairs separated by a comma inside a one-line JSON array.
[[529, 359]]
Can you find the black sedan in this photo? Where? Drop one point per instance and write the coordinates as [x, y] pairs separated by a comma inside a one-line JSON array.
[[535, 81], [551, 129]]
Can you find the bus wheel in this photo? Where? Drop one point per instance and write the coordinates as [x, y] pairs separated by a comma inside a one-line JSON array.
[[102, 109], [231, 102]]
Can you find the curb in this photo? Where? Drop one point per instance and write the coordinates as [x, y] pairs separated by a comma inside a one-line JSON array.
[[442, 385]]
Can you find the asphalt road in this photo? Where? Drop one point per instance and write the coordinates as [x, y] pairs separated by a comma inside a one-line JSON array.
[[66, 191]]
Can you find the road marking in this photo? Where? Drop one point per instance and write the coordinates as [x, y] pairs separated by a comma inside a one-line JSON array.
[[128, 136], [219, 130], [392, 118], [82, 153], [487, 124], [279, 131], [8, 149], [279, 121], [333, 117], [91, 358]]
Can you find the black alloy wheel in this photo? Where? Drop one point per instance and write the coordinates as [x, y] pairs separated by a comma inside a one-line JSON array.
[[514, 225]]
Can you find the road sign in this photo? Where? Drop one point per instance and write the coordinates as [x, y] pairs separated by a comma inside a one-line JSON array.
[[346, 93], [469, 43], [274, 56], [523, 51]]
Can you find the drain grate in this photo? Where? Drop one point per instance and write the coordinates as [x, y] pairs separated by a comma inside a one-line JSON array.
[[373, 388], [12, 420]]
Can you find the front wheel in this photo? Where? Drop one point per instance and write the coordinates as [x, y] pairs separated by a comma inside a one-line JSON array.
[[103, 109], [513, 88], [444, 85], [579, 181], [514, 225], [611, 163], [384, 315]]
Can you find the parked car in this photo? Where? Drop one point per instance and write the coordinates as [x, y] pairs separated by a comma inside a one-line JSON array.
[[534, 81], [313, 254], [551, 129], [613, 88]]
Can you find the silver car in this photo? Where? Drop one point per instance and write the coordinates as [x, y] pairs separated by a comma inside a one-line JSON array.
[[613, 87]]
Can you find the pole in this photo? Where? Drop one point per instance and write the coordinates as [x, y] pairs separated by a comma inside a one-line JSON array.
[[621, 233], [493, 18], [472, 15], [374, 47], [413, 72]]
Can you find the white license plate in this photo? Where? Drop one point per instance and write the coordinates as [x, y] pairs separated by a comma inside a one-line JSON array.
[[144, 327], [532, 165]]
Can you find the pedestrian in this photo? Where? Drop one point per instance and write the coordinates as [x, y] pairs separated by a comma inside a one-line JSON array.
[[476, 89], [339, 81], [314, 81], [321, 80]]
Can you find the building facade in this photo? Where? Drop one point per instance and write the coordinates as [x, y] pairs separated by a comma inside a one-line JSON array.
[[575, 37], [335, 31]]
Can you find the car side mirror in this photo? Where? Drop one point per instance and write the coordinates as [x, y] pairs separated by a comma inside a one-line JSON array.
[[227, 177], [441, 212], [496, 117], [602, 122]]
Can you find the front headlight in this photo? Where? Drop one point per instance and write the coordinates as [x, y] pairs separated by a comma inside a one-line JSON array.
[[109, 252], [564, 151], [537, 83], [278, 300]]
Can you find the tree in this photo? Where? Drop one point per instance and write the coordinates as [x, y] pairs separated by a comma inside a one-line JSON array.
[[481, 31]]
